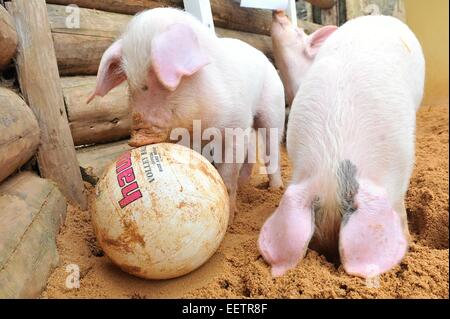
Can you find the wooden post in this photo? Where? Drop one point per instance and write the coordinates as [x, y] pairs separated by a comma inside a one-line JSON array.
[[41, 87], [330, 16], [323, 4], [8, 38]]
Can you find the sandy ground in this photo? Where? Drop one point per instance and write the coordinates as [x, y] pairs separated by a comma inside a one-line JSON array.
[[238, 271]]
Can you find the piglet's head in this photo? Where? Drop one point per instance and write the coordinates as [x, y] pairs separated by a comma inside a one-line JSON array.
[[174, 53], [294, 50], [285, 34]]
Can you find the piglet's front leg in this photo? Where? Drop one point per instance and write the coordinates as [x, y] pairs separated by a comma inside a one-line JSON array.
[[230, 173], [144, 134]]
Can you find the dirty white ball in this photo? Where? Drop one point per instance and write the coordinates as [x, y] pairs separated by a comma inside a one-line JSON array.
[[160, 211]]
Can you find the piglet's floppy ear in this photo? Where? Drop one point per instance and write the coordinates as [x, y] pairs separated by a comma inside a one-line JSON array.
[[110, 73], [317, 38], [176, 53], [372, 239]]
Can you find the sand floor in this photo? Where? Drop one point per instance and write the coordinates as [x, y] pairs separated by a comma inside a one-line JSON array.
[[238, 271]]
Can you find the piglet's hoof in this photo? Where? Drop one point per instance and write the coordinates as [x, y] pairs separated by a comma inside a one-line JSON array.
[[276, 183], [276, 187], [143, 137]]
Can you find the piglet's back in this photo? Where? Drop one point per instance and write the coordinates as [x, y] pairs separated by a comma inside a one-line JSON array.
[[373, 44], [360, 96]]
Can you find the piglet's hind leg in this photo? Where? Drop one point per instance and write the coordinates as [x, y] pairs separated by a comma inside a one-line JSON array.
[[372, 239], [285, 236]]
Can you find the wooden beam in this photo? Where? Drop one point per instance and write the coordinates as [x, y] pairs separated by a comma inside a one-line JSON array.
[[19, 133], [32, 211], [94, 159], [259, 41], [79, 54], [79, 50], [100, 24], [227, 14], [41, 87], [104, 120], [8, 38], [121, 6]]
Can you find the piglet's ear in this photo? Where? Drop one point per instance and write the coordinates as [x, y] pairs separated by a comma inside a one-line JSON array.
[[110, 73], [176, 53], [317, 38]]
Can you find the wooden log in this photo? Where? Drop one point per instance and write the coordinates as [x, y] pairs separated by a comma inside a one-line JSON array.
[[323, 4], [94, 159], [226, 13], [230, 15], [8, 38], [100, 24], [356, 8], [104, 120], [19, 133], [81, 55], [41, 87], [121, 6], [79, 50], [33, 209], [259, 41]]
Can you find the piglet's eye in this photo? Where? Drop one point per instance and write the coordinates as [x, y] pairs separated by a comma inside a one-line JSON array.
[[145, 88]]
